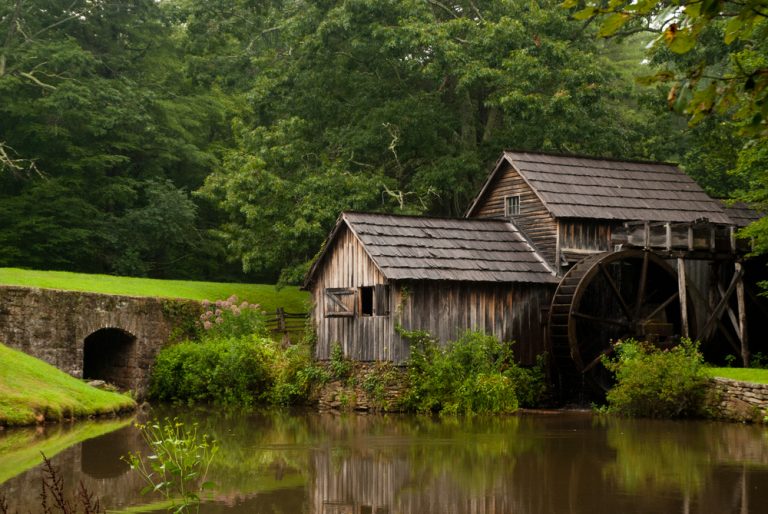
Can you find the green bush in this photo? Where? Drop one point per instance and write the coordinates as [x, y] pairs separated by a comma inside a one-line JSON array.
[[227, 371], [476, 374], [657, 383], [234, 362]]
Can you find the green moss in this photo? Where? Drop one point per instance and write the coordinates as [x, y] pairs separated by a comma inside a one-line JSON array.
[[758, 376], [289, 297], [30, 388]]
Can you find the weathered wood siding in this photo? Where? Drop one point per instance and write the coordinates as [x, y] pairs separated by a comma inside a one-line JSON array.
[[511, 312], [534, 218], [582, 237], [362, 338]]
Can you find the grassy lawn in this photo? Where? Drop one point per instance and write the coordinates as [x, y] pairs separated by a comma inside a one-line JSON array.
[[759, 376], [290, 298], [30, 388]]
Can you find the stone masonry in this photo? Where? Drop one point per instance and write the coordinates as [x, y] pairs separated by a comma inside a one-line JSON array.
[[53, 325], [738, 401]]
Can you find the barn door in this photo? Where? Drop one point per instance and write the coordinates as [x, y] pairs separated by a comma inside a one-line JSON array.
[[340, 302]]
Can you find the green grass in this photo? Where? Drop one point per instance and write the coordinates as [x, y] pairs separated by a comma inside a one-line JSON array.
[[21, 449], [30, 388], [759, 376], [290, 298]]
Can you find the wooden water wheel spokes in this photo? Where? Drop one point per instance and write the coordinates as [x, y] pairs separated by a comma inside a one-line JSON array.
[[611, 296]]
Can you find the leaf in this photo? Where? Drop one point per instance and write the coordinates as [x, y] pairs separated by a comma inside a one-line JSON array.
[[678, 40], [207, 485], [613, 22], [568, 4], [146, 489], [585, 13], [733, 29]]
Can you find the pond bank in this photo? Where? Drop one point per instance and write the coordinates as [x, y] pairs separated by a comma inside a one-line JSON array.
[[34, 392], [736, 400]]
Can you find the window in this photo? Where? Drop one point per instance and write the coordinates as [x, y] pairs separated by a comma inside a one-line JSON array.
[[511, 206], [374, 300], [340, 302], [366, 301]]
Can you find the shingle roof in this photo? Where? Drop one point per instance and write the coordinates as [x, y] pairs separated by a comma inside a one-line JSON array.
[[420, 248], [741, 213], [584, 187]]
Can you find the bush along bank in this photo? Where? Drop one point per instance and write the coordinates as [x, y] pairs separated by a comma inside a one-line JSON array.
[[235, 362], [676, 383]]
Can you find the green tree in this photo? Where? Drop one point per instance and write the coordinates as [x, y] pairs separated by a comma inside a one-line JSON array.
[[96, 101], [398, 105]]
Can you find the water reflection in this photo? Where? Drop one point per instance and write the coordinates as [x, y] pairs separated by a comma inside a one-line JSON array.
[[357, 464]]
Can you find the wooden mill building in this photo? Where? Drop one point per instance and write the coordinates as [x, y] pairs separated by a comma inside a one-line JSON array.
[[561, 254]]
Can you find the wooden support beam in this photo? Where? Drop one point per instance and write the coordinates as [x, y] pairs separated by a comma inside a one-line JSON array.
[[681, 290], [723, 329], [717, 312], [731, 314], [742, 308], [668, 238]]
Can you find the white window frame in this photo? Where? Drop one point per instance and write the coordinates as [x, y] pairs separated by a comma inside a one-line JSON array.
[[511, 208]]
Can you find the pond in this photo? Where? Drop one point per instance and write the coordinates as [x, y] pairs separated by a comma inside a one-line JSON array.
[[308, 462]]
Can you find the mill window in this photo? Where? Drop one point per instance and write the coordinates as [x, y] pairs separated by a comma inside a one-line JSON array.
[[511, 206]]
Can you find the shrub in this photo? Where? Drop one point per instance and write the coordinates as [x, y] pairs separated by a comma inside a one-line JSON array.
[[657, 383], [476, 374], [228, 371], [230, 318]]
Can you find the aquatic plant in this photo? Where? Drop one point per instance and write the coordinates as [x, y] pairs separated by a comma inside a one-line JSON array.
[[178, 464]]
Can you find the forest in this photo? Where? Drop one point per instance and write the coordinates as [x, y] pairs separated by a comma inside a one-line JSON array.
[[220, 140]]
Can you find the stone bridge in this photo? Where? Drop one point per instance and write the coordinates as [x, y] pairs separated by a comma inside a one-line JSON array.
[[94, 336]]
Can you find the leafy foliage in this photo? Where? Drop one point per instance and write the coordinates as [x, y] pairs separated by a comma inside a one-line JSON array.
[[657, 383], [234, 362], [475, 374], [178, 465], [398, 105]]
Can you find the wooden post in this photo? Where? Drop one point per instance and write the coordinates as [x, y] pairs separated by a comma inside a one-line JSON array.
[[742, 315], [668, 233], [683, 296]]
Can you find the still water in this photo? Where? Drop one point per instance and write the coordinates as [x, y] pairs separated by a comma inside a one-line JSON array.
[[305, 462]]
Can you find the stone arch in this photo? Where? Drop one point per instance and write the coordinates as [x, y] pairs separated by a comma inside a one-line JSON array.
[[109, 354]]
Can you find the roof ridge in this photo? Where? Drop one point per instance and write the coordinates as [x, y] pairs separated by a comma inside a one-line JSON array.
[[595, 158]]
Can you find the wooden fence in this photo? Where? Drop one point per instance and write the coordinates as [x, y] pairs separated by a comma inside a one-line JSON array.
[[290, 325]]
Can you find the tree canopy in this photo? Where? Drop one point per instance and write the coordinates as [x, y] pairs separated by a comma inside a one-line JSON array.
[[198, 139]]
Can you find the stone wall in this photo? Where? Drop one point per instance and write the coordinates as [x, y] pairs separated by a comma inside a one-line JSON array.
[[53, 325], [734, 400], [369, 386]]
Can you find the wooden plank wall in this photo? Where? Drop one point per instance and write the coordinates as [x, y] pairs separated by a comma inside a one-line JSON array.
[[511, 312], [579, 238], [534, 218], [363, 338]]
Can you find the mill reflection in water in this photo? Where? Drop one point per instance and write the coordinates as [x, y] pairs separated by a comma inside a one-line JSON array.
[[358, 464]]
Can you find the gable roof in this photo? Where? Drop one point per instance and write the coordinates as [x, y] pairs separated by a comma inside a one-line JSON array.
[[421, 248], [586, 187]]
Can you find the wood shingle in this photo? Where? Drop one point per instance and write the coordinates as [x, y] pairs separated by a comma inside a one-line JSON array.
[[419, 248], [603, 189]]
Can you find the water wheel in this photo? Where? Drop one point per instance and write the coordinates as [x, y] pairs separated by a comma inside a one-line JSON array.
[[612, 296]]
